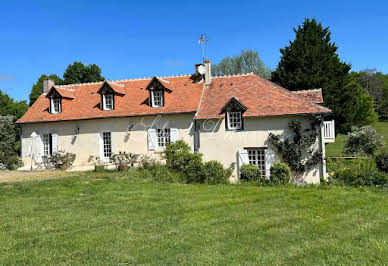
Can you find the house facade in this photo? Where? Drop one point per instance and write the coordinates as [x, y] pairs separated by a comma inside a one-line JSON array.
[[226, 118]]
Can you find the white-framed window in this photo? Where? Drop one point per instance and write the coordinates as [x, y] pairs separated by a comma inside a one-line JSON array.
[[46, 144], [108, 101], [256, 157], [56, 106], [157, 98], [234, 120], [107, 144], [164, 136]]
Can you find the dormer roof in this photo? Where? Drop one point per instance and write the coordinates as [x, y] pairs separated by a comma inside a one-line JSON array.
[[157, 83], [59, 91], [113, 87]]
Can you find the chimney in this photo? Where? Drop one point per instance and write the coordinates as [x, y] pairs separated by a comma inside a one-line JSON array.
[[208, 72], [47, 84]]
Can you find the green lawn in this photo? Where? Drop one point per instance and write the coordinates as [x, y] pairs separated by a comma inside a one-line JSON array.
[[337, 148], [108, 218]]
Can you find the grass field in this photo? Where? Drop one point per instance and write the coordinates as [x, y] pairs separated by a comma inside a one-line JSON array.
[[337, 148], [108, 218]]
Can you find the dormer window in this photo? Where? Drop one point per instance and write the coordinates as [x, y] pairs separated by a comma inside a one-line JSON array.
[[157, 88], [108, 101], [109, 92], [157, 98], [56, 107], [233, 111], [234, 120]]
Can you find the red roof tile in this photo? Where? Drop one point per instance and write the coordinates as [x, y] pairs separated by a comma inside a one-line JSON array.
[[260, 96], [312, 95], [184, 98]]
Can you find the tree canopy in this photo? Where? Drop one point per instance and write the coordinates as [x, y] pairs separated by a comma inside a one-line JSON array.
[[79, 73], [248, 61], [10, 107], [311, 61], [37, 88]]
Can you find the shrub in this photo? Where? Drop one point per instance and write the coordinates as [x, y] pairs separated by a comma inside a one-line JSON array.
[[361, 173], [215, 173], [63, 160], [280, 173], [363, 140], [122, 159], [162, 173], [249, 172], [146, 161], [382, 160], [194, 171]]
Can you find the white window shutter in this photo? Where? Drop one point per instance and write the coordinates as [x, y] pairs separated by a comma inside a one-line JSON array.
[[100, 146], [103, 102], [52, 106], [152, 139], [269, 161], [38, 148], [54, 143], [242, 158], [174, 134]]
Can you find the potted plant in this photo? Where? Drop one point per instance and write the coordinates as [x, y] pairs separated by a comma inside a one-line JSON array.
[[122, 160]]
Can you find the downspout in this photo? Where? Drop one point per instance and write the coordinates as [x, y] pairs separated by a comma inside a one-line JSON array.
[[322, 150]]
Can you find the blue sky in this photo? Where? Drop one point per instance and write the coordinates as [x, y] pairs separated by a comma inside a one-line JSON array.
[[129, 39]]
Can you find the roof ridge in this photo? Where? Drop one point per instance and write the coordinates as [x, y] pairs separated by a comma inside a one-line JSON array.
[[122, 80], [234, 75], [318, 89]]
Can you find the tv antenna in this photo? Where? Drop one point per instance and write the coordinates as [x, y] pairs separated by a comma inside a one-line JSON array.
[[202, 41]]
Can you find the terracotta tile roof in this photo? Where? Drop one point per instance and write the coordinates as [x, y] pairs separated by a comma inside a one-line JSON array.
[[260, 96], [314, 95], [86, 105]]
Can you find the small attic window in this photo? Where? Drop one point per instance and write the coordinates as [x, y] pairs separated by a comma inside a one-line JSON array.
[[157, 99], [233, 111], [108, 102], [56, 106]]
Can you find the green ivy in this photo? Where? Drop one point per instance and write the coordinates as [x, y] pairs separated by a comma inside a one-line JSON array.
[[298, 151]]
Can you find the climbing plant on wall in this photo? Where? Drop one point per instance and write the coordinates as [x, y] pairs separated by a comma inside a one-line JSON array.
[[299, 149]]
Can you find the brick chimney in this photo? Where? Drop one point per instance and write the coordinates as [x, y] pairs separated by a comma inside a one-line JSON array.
[[208, 72], [47, 84]]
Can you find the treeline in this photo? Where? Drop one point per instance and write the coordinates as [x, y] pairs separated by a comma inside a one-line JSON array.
[[311, 61]]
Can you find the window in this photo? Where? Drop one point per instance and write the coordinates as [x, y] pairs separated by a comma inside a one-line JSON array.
[[163, 135], [107, 141], [234, 120], [157, 98], [55, 105], [257, 157], [108, 101], [46, 144]]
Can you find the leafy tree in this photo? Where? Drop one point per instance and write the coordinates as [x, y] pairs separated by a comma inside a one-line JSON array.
[[363, 140], [248, 61], [79, 73], [8, 106], [8, 155], [37, 88], [354, 107], [311, 61]]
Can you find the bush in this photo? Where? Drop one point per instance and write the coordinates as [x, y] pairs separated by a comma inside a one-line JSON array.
[[146, 161], [363, 140], [215, 173], [361, 173], [63, 160], [122, 159], [280, 173], [382, 160], [190, 166], [249, 172], [162, 173]]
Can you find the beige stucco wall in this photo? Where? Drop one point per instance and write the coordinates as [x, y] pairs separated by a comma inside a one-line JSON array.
[[217, 143], [86, 143]]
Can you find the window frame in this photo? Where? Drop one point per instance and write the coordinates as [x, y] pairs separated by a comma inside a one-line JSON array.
[[56, 102], [110, 97], [229, 116], [47, 144], [160, 95], [163, 136], [107, 145], [257, 156]]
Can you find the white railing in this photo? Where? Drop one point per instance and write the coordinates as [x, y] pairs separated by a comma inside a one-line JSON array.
[[328, 130]]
